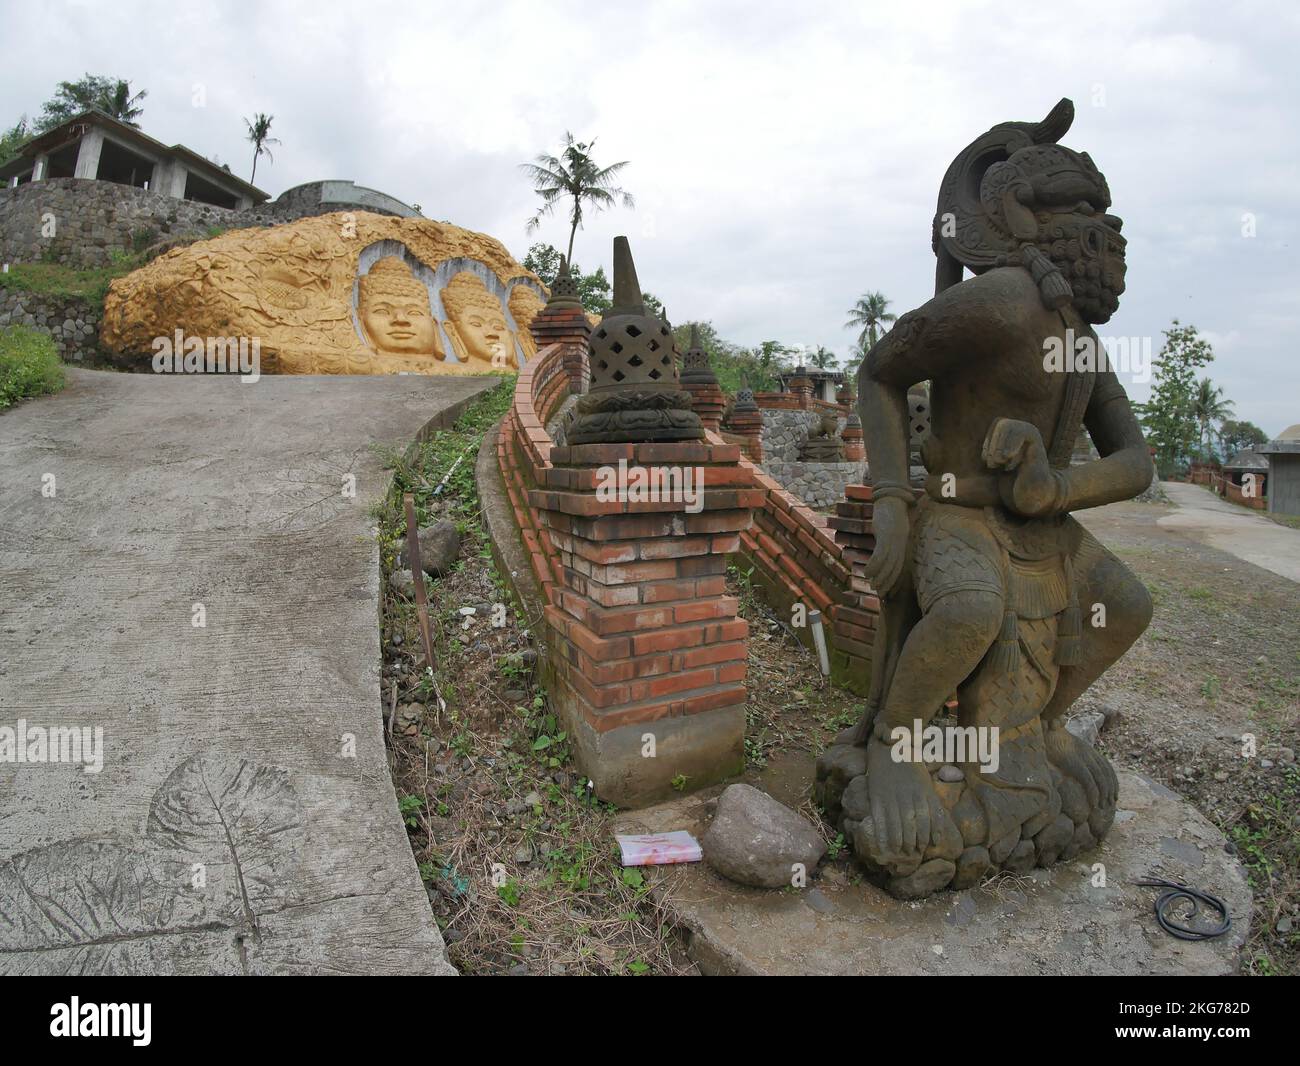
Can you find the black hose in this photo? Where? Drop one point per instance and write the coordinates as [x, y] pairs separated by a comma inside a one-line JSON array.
[[1175, 892]]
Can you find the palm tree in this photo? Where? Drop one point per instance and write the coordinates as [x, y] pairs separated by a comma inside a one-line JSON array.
[[853, 360], [869, 313], [575, 176], [1210, 408], [259, 133], [823, 358], [121, 103]]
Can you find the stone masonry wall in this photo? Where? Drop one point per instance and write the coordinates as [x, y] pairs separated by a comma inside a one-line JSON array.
[[819, 485], [72, 322], [93, 219]]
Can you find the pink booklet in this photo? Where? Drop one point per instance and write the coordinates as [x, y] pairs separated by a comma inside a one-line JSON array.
[[659, 849]]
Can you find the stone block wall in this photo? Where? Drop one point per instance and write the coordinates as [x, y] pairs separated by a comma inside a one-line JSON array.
[[71, 321], [94, 219], [820, 485]]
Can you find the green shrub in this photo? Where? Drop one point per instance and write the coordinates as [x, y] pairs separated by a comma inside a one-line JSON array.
[[29, 365]]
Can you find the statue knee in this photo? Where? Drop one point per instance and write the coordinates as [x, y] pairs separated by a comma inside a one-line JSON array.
[[970, 621]]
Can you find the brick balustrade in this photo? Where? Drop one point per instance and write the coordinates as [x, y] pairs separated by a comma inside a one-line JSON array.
[[641, 638]]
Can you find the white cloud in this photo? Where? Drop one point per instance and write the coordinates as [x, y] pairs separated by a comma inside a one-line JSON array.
[[785, 157]]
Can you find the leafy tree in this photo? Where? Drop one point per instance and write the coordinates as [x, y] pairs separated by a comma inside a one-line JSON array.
[[734, 365], [853, 360], [594, 290], [113, 96], [12, 139], [574, 176], [869, 314], [1169, 417], [1211, 407], [259, 135], [1235, 435]]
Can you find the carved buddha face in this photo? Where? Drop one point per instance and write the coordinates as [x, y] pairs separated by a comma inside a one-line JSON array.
[[394, 311], [476, 324]]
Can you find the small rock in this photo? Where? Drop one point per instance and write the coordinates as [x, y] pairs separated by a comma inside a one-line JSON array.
[[533, 799], [1266, 764], [515, 695], [1087, 726], [524, 853], [465, 612], [519, 969], [950, 774], [402, 581], [1283, 925], [1221, 776], [1286, 755], [755, 840], [439, 548]]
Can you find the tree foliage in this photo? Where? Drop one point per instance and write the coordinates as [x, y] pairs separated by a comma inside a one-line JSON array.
[[113, 96], [1170, 416], [1236, 434], [12, 139], [594, 289], [869, 315]]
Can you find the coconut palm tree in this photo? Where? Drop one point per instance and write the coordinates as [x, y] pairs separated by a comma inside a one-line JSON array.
[[121, 103], [869, 314], [259, 133], [1210, 407], [823, 358], [574, 176]]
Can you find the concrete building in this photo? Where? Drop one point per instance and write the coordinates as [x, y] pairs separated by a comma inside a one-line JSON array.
[[97, 147], [1283, 456], [825, 383]]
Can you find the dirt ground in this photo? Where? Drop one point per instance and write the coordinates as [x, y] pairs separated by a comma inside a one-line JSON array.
[[519, 860], [1219, 665]]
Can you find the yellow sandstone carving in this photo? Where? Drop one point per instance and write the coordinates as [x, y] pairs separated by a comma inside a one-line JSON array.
[[475, 325], [345, 293]]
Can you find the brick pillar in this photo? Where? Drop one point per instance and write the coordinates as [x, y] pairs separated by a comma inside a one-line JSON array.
[[854, 448], [854, 622], [802, 388], [563, 321], [746, 421], [649, 642]]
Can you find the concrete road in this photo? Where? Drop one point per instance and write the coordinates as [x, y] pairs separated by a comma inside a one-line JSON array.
[[1206, 518], [189, 673]]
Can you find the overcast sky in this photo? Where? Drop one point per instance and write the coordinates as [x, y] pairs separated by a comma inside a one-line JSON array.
[[785, 156]]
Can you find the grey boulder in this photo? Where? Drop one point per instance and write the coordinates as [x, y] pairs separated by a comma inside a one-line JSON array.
[[754, 840]]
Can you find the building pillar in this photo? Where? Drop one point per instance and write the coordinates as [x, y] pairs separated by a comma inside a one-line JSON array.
[[88, 152], [41, 167]]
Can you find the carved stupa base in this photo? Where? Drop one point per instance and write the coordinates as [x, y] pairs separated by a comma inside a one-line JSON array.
[[635, 416], [822, 451]]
